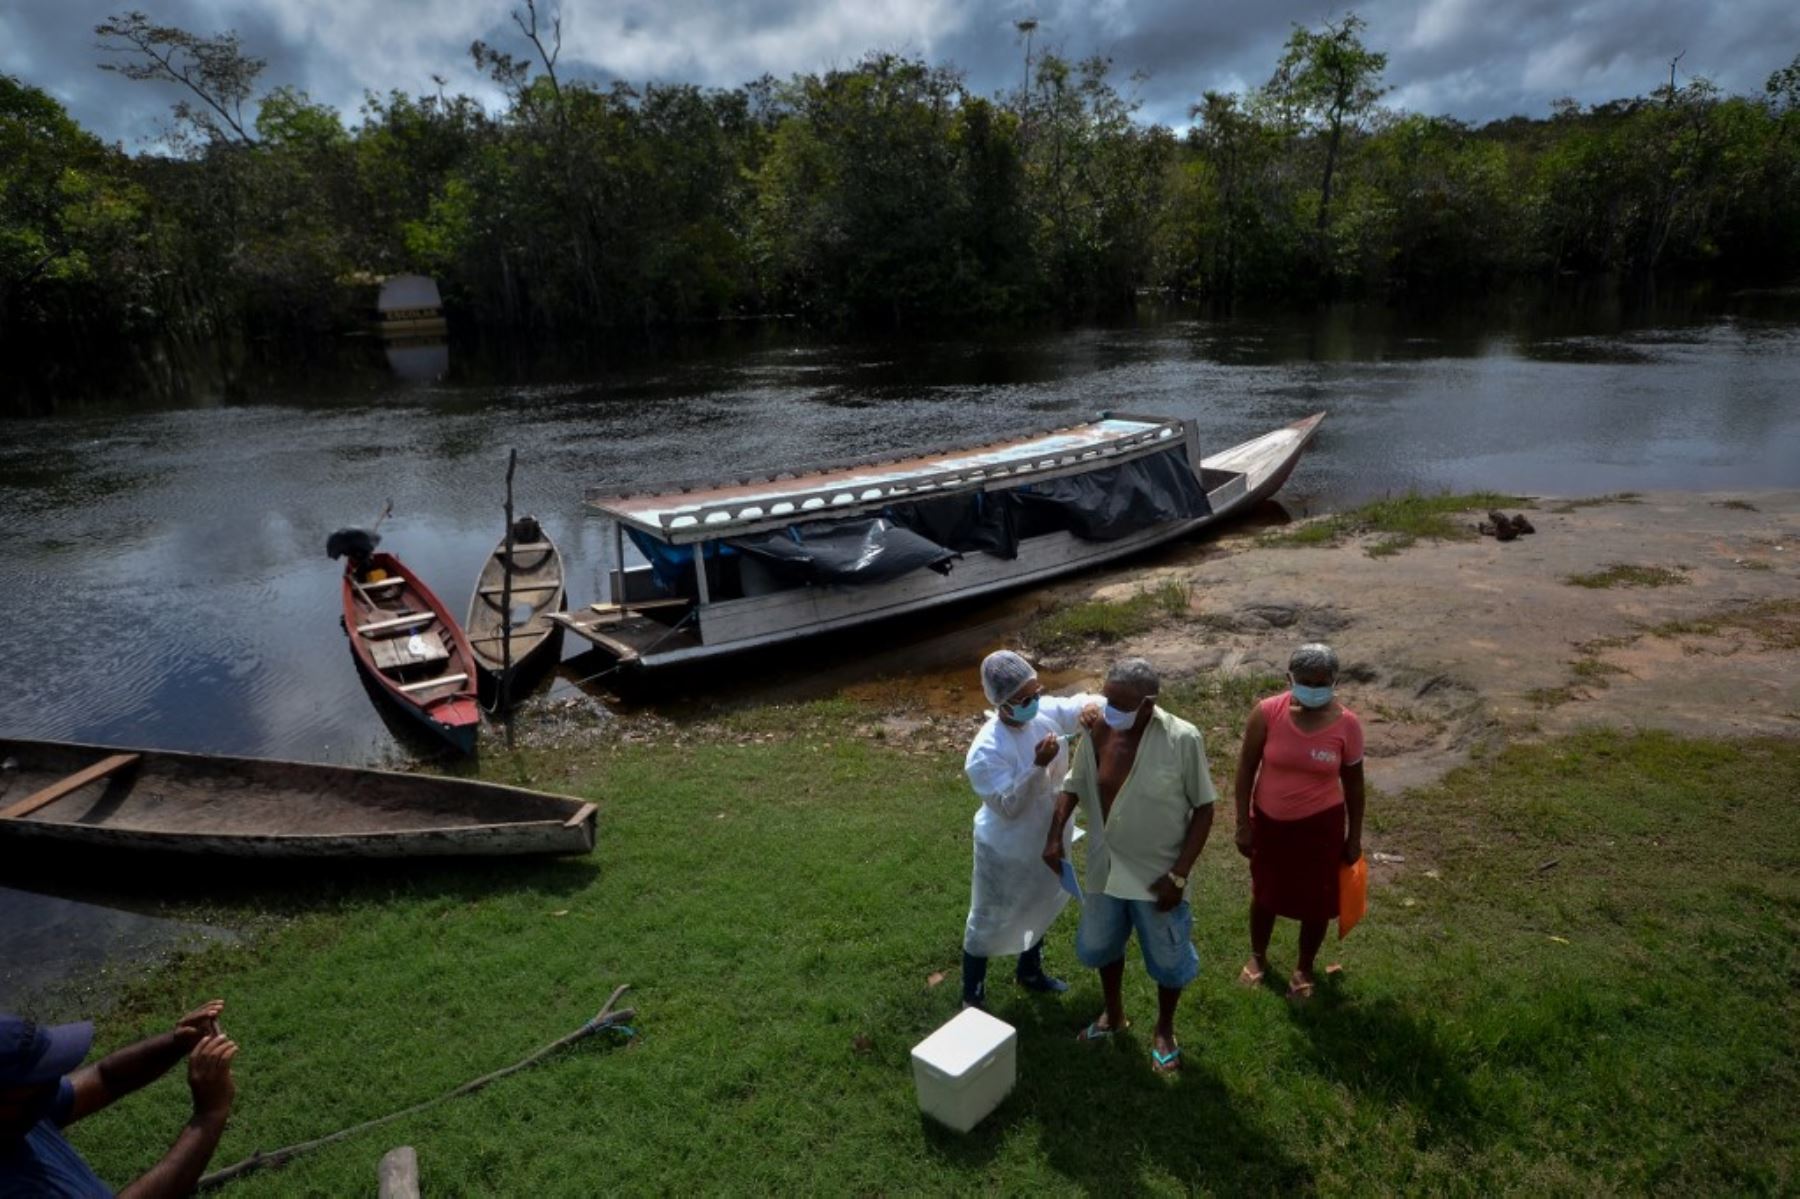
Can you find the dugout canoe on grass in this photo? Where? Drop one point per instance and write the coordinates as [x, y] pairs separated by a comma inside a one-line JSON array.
[[56, 792]]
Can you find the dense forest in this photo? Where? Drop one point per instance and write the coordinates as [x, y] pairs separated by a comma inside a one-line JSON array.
[[885, 195]]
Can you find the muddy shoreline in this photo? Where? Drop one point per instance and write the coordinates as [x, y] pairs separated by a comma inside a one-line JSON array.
[[1453, 645], [1450, 647]]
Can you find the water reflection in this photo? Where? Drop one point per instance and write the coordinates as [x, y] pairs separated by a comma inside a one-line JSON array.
[[165, 542], [418, 360]]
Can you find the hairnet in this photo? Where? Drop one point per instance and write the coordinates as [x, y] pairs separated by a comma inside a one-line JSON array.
[[1315, 655], [1002, 673]]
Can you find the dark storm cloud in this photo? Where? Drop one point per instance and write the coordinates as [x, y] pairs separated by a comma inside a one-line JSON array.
[[1473, 59]]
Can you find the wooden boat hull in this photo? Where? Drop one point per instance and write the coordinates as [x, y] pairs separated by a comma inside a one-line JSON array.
[[171, 802], [1237, 479], [448, 710], [538, 585]]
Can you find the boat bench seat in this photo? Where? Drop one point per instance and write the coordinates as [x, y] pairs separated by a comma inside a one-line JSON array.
[[520, 589], [443, 680], [411, 619], [396, 652], [74, 782]]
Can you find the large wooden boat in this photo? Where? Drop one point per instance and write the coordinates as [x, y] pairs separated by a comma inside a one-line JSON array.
[[720, 575], [410, 647], [139, 799], [536, 588]]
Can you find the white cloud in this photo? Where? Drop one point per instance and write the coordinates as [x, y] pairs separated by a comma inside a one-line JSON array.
[[1442, 21]]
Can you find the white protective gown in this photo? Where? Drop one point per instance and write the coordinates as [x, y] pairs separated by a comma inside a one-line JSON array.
[[1014, 896]]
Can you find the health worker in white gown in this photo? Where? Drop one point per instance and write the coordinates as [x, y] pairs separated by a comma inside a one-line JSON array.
[[1016, 765]]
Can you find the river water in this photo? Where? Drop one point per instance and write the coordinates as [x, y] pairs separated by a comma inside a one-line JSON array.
[[162, 557]]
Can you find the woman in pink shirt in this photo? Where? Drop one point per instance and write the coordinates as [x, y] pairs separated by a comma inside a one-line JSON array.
[[1302, 765]]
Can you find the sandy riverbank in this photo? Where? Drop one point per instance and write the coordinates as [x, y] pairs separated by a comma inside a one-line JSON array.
[[1451, 647]]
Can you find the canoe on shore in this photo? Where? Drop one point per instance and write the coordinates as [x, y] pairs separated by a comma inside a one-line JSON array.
[[537, 591], [407, 644], [55, 792]]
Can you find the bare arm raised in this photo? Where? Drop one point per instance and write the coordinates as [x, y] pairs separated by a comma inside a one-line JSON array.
[[210, 1081]]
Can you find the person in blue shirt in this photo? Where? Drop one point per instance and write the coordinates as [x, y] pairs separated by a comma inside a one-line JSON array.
[[44, 1088]]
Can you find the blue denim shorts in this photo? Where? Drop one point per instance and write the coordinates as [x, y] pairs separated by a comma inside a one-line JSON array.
[[1166, 939]]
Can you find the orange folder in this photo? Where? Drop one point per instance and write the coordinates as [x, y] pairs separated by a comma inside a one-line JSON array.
[[1353, 895]]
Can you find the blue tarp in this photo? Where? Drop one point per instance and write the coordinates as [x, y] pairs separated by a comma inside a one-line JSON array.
[[672, 566]]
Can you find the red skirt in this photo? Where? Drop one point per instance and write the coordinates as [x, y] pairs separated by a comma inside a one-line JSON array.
[[1294, 863]]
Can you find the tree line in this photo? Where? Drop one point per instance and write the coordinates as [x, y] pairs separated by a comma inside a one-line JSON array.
[[886, 194]]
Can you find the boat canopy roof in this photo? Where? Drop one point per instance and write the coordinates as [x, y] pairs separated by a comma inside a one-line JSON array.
[[407, 292], [704, 512]]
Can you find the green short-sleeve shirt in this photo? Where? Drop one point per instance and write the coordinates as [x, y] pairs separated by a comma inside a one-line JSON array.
[[1140, 841]]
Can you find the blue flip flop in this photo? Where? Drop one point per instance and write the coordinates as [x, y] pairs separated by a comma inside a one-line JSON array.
[[1165, 1063]]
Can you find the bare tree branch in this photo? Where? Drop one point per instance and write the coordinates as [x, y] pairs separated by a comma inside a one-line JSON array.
[[215, 69], [528, 25]]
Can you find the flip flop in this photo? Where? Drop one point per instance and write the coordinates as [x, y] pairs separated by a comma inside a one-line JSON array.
[[1093, 1032], [1165, 1063], [1300, 992], [1248, 977]]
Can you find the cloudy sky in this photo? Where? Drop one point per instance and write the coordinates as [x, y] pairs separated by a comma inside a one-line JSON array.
[[1474, 59]]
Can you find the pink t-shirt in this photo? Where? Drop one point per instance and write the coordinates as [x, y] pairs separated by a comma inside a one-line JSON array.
[[1299, 774]]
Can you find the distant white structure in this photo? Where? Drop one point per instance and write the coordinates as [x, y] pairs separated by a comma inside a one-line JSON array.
[[409, 306], [407, 293]]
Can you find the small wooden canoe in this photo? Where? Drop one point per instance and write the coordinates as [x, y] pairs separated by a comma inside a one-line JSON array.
[[154, 800], [537, 591], [409, 645]]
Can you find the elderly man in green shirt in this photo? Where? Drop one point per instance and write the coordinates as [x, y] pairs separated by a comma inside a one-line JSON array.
[[1142, 782]]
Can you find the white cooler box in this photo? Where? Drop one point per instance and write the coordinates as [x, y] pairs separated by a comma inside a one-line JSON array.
[[964, 1069]]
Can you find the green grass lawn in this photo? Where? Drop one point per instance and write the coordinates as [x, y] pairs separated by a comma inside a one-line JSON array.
[[1622, 1020]]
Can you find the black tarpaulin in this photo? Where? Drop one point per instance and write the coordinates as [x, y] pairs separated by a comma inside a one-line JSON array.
[[974, 523], [1101, 505], [870, 550], [1104, 505]]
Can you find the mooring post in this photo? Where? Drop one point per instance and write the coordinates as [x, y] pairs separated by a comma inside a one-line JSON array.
[[506, 612], [399, 1173]]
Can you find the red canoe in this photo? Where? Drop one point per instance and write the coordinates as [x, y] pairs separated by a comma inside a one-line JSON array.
[[407, 642]]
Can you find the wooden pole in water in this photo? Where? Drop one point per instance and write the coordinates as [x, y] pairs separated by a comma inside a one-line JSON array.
[[506, 579]]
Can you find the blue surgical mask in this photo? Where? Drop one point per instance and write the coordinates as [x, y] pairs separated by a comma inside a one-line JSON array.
[[1023, 713], [1310, 697], [1119, 718]]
